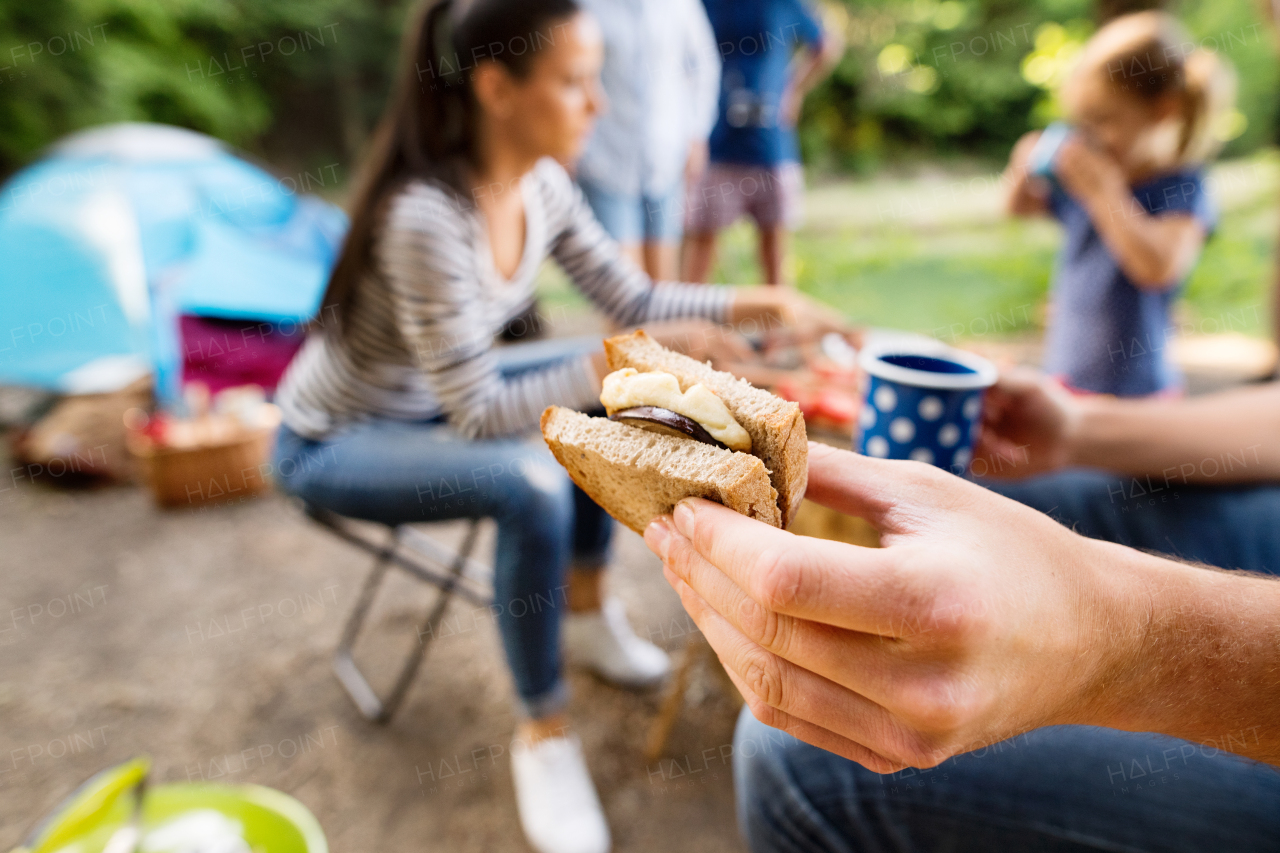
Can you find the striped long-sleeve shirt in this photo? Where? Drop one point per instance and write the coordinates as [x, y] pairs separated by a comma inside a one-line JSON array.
[[419, 337]]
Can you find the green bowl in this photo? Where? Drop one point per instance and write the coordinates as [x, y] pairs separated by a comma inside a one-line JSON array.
[[272, 822]]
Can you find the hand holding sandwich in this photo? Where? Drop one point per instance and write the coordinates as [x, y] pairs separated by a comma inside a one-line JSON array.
[[979, 619]]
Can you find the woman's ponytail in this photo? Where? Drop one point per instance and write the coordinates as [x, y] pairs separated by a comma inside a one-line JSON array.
[[429, 126]]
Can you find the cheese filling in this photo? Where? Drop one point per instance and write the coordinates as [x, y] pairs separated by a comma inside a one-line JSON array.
[[628, 388]]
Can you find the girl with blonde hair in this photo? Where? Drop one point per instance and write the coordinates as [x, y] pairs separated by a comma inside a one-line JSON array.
[[1128, 185]]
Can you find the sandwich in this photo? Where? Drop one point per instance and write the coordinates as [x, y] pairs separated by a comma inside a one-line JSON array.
[[675, 429]]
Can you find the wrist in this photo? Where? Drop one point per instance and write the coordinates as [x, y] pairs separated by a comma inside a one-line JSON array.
[[753, 303], [1118, 608], [1180, 649], [1107, 201], [1084, 423]]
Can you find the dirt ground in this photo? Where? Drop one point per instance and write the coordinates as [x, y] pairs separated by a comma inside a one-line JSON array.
[[204, 639]]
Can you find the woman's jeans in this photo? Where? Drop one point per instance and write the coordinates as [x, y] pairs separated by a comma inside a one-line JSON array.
[[396, 472], [1064, 788]]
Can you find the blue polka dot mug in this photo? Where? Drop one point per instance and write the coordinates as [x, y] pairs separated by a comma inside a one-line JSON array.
[[922, 403]]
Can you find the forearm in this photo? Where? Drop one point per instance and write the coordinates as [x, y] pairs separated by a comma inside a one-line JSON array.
[[481, 403], [770, 308], [815, 65], [1023, 198], [1154, 252], [1199, 653], [622, 291], [810, 69], [806, 72], [1223, 438]]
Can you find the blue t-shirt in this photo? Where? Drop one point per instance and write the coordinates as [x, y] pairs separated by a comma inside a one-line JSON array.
[[1105, 334], [757, 40]]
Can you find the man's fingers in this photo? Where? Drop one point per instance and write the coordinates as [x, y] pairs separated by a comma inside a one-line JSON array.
[[879, 490], [871, 664], [814, 735], [853, 587], [769, 682]]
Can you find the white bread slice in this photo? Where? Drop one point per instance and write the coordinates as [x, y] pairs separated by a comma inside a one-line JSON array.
[[775, 425], [637, 475]]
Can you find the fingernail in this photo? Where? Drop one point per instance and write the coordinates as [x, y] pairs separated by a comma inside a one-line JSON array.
[[684, 518], [658, 536]]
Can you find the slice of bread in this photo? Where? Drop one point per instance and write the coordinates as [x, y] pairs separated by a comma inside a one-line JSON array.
[[637, 475], [775, 425]]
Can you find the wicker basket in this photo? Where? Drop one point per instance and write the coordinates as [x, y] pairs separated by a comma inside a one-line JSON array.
[[208, 473]]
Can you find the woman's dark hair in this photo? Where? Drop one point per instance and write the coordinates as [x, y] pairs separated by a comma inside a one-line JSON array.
[[429, 127]]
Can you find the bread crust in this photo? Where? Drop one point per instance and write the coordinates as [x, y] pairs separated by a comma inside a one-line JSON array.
[[637, 475], [776, 426]]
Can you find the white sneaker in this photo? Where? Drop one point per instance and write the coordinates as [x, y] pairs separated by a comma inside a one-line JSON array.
[[558, 806], [603, 641]]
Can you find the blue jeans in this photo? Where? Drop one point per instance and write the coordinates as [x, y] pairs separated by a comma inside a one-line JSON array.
[[1231, 527], [396, 472], [1052, 790], [1064, 788], [637, 218]]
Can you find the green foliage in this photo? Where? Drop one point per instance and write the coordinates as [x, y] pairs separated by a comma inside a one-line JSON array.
[[957, 77], [241, 71], [302, 81], [1234, 29], [927, 76]]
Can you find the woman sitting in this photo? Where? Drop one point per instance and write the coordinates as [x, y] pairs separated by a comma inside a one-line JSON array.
[[400, 409]]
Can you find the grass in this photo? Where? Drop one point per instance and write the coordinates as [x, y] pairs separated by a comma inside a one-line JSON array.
[[934, 254]]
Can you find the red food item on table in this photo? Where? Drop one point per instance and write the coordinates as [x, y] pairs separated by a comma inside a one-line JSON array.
[[797, 393], [838, 406]]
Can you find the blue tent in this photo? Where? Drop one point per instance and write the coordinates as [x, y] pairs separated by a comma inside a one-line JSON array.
[[120, 229]]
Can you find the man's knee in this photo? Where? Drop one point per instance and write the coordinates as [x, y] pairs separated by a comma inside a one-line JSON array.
[[793, 796], [761, 780]]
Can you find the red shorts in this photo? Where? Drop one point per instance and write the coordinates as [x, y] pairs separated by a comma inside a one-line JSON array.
[[770, 195]]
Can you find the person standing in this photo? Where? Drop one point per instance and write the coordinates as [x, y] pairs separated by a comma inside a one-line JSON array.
[[661, 77], [1129, 187], [774, 52]]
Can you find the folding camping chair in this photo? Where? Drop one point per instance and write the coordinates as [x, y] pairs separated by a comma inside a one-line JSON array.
[[421, 557]]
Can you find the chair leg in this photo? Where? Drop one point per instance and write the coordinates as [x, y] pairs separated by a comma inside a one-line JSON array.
[[344, 666], [660, 728], [435, 613]]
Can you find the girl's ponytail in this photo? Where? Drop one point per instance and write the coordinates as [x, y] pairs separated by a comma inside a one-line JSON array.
[[1208, 94], [1149, 56]]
